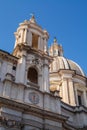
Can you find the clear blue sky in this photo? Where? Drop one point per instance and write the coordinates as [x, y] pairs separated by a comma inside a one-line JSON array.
[[65, 19]]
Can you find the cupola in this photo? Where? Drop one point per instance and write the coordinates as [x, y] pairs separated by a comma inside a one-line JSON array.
[[56, 49]]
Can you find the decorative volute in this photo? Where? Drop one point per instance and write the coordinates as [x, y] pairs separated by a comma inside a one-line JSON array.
[[31, 34], [56, 49]]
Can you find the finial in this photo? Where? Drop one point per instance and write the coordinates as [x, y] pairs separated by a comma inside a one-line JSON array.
[[32, 18], [32, 14], [55, 40]]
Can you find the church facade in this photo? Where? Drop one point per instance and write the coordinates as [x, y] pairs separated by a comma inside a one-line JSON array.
[[39, 88]]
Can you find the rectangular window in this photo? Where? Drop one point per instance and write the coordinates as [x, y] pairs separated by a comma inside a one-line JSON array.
[[79, 100], [80, 97], [14, 70], [35, 41]]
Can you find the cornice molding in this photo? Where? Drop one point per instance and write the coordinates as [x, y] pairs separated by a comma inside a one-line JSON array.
[[8, 123], [8, 57], [24, 46], [32, 109]]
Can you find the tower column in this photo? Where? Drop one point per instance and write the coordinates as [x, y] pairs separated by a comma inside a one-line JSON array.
[[71, 92], [21, 39], [45, 45], [76, 97], [84, 98], [42, 43], [46, 77], [20, 73], [39, 43], [65, 91], [29, 38], [25, 35]]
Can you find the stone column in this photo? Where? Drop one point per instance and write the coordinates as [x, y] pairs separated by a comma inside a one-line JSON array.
[[65, 91], [25, 35], [45, 77], [21, 38], [45, 45], [71, 92], [20, 72], [40, 81], [84, 98], [7, 89], [20, 90], [29, 38], [4, 70], [39, 43], [9, 68], [57, 105], [42, 44], [76, 96]]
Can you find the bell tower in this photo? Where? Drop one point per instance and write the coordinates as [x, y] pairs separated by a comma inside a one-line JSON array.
[[31, 34], [32, 50]]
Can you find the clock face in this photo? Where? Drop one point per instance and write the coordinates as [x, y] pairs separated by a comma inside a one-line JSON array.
[[34, 97]]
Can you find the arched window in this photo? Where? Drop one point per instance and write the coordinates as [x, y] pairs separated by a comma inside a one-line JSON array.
[[32, 75]]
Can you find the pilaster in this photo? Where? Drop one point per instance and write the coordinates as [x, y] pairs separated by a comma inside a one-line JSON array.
[[39, 43], [45, 77], [7, 89], [21, 38], [84, 98], [4, 70], [42, 43], [25, 35], [20, 72], [29, 38], [71, 92], [45, 45], [65, 90]]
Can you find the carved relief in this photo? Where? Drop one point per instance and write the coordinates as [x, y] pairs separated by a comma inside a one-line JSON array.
[[34, 97], [10, 123], [33, 60]]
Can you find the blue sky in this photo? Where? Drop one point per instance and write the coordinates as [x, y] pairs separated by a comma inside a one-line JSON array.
[[64, 19]]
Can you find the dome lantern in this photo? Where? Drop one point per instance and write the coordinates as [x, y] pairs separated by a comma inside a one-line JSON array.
[[56, 49]]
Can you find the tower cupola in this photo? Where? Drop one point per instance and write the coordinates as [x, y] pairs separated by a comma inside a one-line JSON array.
[[55, 49]]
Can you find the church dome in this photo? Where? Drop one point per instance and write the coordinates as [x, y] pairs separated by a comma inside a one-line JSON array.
[[60, 62]]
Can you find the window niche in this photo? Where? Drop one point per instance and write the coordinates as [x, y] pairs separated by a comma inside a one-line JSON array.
[[35, 41], [80, 97], [14, 68], [32, 75]]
